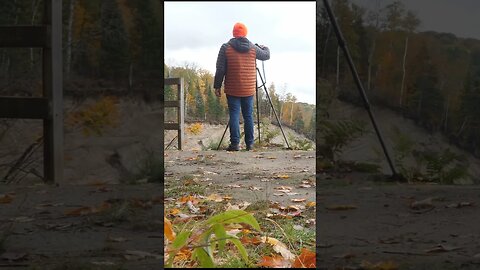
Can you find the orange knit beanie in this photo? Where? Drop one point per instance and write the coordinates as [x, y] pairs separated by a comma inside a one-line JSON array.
[[239, 30]]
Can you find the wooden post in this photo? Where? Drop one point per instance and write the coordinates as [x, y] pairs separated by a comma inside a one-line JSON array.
[[49, 107], [179, 104], [52, 90], [181, 115]]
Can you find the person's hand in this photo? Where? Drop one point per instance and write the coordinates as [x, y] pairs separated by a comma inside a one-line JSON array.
[[217, 92]]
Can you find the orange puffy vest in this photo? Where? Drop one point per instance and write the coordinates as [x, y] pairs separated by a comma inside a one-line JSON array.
[[241, 73]]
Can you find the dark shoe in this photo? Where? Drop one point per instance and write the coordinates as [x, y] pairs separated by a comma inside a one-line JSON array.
[[249, 147], [232, 147]]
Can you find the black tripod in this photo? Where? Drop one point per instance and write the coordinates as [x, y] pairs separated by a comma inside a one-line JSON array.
[[258, 110], [342, 44]]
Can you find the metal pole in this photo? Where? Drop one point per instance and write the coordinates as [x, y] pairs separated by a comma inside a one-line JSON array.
[[341, 42], [258, 107], [273, 108]]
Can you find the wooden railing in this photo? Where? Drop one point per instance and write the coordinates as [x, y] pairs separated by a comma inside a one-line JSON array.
[[49, 108], [179, 104]]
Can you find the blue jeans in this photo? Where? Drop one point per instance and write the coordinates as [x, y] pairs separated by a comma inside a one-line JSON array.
[[234, 105]]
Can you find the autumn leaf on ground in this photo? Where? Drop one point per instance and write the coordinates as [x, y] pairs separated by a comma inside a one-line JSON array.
[[253, 188], [341, 207], [241, 206], [192, 208], [278, 247], [274, 262], [188, 198], [387, 265], [174, 211], [250, 240], [306, 259], [423, 204], [459, 205], [168, 229], [282, 176], [298, 200], [85, 210], [310, 204], [214, 197], [6, 198], [442, 248]]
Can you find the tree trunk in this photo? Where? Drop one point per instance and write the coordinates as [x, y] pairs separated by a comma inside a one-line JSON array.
[[130, 77], [329, 29], [445, 126], [68, 59], [404, 71]]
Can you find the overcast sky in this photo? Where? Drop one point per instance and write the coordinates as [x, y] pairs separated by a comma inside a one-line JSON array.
[[194, 32], [460, 17]]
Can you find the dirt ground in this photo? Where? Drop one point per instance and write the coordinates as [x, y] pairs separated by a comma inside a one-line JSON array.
[[250, 176], [406, 225], [98, 226]]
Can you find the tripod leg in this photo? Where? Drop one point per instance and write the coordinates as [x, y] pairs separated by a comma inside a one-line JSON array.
[[221, 140], [273, 108], [258, 113], [341, 42]]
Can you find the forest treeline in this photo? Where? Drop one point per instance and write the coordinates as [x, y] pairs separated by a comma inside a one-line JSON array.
[[201, 104], [432, 78], [112, 44]]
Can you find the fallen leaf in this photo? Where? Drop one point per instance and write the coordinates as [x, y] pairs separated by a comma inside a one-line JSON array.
[[117, 239], [274, 262], [292, 193], [192, 208], [234, 186], [168, 229], [283, 188], [183, 255], [310, 204], [305, 186], [459, 205], [278, 247], [310, 222], [282, 176], [241, 206], [423, 204], [6, 198], [81, 211], [298, 200], [214, 197], [174, 211], [188, 198], [341, 207], [278, 194], [442, 248], [250, 240], [271, 157], [387, 265], [253, 188], [306, 259]]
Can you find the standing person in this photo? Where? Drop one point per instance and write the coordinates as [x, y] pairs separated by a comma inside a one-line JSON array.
[[236, 62]]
